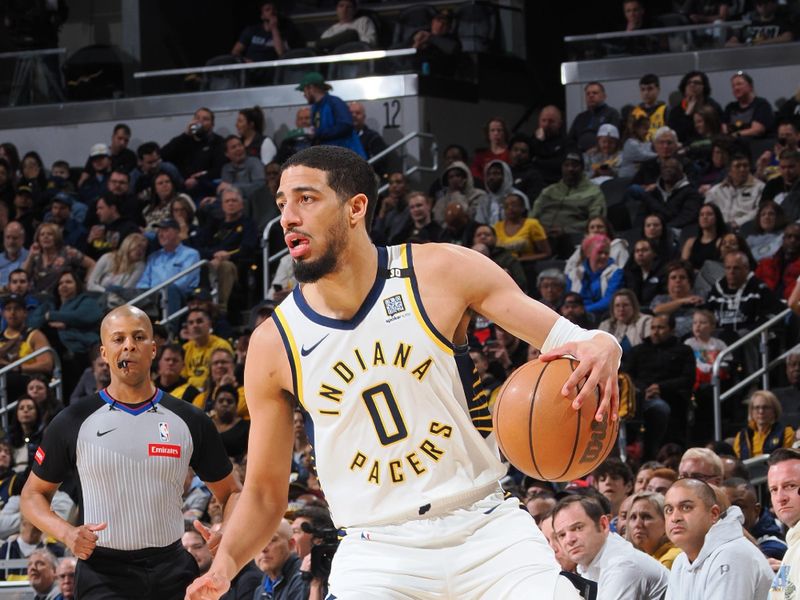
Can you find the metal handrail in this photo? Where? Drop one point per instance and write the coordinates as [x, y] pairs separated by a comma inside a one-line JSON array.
[[288, 62], [267, 260], [610, 35], [4, 406], [161, 286], [763, 371], [33, 53]]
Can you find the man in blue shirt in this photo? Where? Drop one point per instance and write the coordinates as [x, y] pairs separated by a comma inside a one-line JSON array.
[[173, 258], [330, 117]]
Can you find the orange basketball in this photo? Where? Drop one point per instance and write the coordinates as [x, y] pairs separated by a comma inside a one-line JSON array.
[[538, 430]]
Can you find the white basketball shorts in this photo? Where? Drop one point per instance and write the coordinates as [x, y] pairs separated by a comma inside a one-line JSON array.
[[491, 550]]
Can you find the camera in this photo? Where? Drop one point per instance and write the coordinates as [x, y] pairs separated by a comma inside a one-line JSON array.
[[196, 129], [322, 553]]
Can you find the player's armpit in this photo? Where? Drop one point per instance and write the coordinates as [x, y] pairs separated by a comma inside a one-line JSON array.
[[454, 279]]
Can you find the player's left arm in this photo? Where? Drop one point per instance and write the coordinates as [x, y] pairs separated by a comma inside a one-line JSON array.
[[488, 290]]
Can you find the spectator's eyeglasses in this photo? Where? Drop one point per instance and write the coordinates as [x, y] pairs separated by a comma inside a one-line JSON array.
[[761, 407], [695, 82]]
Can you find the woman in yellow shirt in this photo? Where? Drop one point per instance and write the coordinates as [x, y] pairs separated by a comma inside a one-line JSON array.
[[645, 528], [522, 236], [764, 432]]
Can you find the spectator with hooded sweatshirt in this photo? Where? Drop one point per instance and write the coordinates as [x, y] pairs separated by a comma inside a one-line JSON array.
[[499, 183], [597, 277], [459, 187]]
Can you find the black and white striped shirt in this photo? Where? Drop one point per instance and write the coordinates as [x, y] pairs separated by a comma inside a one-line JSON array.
[[132, 461]]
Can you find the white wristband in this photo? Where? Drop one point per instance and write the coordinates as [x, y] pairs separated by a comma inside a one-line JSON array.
[[565, 331]]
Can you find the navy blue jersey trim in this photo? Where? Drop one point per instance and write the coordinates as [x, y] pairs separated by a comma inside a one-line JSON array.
[[366, 306], [418, 299], [289, 353], [132, 410]]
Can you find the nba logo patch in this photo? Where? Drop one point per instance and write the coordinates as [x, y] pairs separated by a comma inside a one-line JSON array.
[[163, 431], [394, 305]]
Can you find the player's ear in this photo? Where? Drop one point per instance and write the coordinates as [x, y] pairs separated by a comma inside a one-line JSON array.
[[358, 207], [103, 353]]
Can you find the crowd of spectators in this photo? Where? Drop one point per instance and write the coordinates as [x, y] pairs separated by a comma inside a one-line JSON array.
[[706, 248]]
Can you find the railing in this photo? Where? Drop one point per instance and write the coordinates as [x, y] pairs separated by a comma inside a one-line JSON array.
[[762, 332], [267, 260], [289, 62], [612, 35], [55, 381], [161, 288]]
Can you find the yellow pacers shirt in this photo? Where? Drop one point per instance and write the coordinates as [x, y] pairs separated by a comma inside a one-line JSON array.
[[197, 359]]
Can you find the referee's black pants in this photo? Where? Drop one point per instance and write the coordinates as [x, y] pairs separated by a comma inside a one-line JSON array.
[[147, 574]]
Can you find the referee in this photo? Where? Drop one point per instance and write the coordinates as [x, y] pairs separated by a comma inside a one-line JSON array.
[[131, 445]]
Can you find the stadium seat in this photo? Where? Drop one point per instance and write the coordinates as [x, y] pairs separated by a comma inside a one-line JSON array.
[[293, 74], [409, 21], [230, 80], [476, 27], [351, 70]]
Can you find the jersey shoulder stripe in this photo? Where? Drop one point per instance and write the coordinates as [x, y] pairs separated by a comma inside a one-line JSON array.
[[292, 353], [407, 262]]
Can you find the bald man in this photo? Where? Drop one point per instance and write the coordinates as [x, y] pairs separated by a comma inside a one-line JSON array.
[[279, 562], [371, 140], [131, 445], [549, 144], [718, 562]]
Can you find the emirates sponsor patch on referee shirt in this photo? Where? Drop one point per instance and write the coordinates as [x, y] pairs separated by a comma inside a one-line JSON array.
[[39, 456], [165, 450]]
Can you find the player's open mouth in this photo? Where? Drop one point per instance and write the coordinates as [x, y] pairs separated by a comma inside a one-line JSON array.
[[297, 244]]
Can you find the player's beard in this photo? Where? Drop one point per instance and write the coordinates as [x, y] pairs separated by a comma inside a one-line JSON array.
[[309, 271]]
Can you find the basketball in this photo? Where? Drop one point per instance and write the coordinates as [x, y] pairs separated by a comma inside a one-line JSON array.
[[538, 430]]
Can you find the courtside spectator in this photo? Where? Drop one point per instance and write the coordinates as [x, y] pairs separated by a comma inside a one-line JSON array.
[[582, 529], [759, 522], [717, 560], [783, 481]]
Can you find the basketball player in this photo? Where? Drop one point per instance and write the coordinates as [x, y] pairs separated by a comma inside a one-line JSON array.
[[131, 445], [372, 344]]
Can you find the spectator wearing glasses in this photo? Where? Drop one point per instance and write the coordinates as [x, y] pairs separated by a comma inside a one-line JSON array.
[[65, 573], [702, 464], [696, 93], [765, 430]]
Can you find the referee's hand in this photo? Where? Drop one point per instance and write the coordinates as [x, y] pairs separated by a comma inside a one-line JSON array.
[[82, 540]]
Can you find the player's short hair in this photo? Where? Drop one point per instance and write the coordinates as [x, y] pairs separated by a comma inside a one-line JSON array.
[[348, 174], [591, 506], [615, 468]]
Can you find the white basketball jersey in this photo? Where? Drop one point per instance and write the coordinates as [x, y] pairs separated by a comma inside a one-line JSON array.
[[400, 419]]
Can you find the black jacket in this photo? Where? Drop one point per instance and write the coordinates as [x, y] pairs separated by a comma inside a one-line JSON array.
[[670, 364]]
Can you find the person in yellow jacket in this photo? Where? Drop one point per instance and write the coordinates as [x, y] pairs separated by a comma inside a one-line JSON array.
[[197, 351], [645, 528], [764, 432], [783, 481]]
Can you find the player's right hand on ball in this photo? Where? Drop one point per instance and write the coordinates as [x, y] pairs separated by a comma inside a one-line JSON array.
[[207, 587], [82, 540]]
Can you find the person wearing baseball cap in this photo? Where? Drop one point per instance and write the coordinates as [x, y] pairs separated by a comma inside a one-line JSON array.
[[171, 259], [330, 116], [94, 179], [61, 214], [17, 340], [602, 161]]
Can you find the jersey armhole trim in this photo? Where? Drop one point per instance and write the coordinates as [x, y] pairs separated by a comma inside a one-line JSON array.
[[407, 262], [291, 353]]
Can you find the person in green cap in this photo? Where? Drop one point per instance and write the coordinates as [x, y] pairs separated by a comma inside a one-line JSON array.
[[330, 117]]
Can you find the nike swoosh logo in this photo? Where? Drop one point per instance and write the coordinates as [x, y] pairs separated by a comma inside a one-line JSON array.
[[306, 351], [102, 433]]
